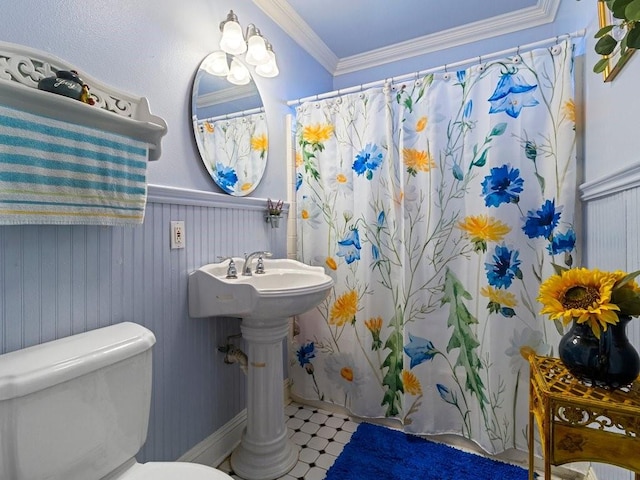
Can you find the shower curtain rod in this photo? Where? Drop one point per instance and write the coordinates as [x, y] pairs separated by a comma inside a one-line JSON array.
[[228, 116], [410, 76]]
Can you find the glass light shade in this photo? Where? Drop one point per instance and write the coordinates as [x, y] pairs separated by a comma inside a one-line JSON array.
[[257, 53], [238, 73], [232, 40], [217, 64], [269, 69]]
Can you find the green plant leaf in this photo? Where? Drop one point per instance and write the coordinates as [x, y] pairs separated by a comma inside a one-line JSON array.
[[463, 338], [633, 36], [632, 10], [606, 45], [392, 380], [618, 7], [601, 65], [603, 30], [498, 129]]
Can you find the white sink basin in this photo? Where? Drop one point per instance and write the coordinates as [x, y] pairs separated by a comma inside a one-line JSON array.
[[287, 288]]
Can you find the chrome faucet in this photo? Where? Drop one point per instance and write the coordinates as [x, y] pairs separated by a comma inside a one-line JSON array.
[[246, 268], [231, 269]]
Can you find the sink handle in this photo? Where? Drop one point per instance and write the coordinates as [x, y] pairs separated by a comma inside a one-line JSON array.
[[232, 272], [260, 265]]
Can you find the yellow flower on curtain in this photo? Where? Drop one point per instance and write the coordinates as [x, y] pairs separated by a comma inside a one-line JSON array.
[[260, 143], [411, 383], [299, 160], [317, 133], [417, 160], [482, 229], [209, 127], [501, 297], [421, 124], [331, 263], [569, 109], [344, 309], [246, 186], [374, 325]]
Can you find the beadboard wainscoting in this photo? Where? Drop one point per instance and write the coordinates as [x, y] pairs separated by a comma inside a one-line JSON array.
[[61, 280], [612, 242]]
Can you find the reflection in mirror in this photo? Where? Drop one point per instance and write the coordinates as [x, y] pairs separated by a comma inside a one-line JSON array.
[[230, 129]]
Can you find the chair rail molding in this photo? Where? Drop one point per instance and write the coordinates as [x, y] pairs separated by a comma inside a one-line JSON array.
[[624, 179]]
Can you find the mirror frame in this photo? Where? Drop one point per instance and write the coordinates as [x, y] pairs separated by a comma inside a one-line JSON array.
[[232, 107]]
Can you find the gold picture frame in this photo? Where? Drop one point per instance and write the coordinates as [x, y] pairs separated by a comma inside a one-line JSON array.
[[616, 62]]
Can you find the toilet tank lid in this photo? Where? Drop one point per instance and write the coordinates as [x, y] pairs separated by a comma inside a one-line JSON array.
[[41, 366]]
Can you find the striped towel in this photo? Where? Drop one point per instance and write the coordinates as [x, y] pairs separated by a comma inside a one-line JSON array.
[[55, 172]]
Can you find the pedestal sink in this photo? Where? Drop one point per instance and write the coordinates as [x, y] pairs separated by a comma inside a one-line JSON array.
[[264, 302]]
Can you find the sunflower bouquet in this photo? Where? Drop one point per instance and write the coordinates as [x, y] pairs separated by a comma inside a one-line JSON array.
[[597, 298]]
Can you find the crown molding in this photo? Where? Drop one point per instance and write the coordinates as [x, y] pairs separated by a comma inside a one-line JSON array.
[[225, 95], [281, 12], [286, 17], [544, 12]]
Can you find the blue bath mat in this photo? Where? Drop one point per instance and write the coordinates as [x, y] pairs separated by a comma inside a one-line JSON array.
[[380, 453]]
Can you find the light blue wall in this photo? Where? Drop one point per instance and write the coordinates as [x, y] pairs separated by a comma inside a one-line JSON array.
[[152, 48]]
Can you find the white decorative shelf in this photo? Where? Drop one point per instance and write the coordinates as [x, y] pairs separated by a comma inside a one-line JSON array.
[[21, 68]]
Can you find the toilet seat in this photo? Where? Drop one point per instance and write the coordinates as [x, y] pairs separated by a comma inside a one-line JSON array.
[[173, 471]]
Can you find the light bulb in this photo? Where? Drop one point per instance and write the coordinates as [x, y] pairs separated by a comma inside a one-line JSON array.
[[270, 68], [216, 64], [257, 53], [232, 40], [238, 73]]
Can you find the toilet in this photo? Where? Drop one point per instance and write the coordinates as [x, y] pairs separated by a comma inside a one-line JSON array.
[[77, 408]]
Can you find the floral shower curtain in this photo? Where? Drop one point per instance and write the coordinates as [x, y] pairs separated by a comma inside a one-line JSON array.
[[437, 206], [239, 146]]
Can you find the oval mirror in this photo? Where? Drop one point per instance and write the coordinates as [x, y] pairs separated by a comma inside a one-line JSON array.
[[230, 126]]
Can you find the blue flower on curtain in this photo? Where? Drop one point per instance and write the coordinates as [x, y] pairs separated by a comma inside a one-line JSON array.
[[299, 178], [562, 242], [502, 186], [505, 267], [305, 353], [419, 350], [541, 222], [226, 177], [368, 160], [349, 246], [446, 394], [512, 94]]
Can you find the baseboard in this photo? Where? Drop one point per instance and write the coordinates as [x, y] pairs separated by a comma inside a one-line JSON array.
[[213, 450]]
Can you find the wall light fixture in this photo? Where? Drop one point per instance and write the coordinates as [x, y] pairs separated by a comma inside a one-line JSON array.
[[258, 52]]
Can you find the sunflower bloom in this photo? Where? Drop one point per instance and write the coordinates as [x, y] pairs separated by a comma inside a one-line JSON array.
[[417, 160], [317, 133], [421, 124], [582, 295], [569, 108], [484, 227], [344, 309], [259, 142], [411, 383], [501, 297]]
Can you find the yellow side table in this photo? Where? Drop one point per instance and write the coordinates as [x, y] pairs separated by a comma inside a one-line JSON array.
[[577, 422]]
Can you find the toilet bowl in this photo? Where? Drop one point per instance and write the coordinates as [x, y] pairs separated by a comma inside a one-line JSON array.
[[77, 408]]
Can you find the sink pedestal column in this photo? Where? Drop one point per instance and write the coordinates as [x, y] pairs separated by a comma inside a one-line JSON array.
[[265, 451]]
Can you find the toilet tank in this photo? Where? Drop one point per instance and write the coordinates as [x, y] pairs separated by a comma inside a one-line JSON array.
[[75, 408]]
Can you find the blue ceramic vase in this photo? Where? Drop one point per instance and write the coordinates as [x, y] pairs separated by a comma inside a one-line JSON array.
[[610, 361]]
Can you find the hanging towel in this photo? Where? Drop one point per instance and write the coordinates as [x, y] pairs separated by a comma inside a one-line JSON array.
[[56, 172]]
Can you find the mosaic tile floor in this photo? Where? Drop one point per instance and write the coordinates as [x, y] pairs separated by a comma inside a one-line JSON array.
[[321, 436]]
